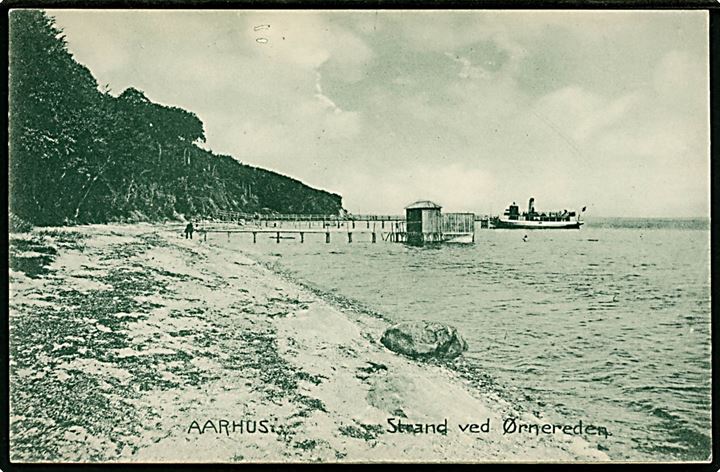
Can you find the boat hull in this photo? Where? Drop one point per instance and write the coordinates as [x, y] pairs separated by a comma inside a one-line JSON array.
[[521, 224]]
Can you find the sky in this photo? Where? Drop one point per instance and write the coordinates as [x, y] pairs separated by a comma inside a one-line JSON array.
[[470, 109]]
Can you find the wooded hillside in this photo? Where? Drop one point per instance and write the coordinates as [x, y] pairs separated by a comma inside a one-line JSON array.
[[82, 155]]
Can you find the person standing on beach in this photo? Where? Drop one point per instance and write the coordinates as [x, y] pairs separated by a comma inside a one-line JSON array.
[[189, 230]]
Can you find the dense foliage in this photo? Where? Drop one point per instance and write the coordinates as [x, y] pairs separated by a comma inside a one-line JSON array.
[[80, 155]]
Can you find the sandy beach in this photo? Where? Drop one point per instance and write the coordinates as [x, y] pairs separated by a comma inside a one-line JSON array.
[[131, 344]]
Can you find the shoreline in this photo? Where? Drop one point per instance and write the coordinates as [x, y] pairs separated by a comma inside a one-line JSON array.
[[359, 312], [169, 331]]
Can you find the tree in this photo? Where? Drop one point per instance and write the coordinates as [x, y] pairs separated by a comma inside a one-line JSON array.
[[50, 95], [79, 154]]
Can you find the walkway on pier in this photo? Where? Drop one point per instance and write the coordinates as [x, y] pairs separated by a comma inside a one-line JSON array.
[[352, 220], [280, 232], [240, 216], [291, 226]]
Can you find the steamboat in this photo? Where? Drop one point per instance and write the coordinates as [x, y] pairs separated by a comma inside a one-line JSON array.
[[532, 219]]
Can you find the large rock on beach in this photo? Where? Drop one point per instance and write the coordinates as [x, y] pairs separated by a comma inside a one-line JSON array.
[[423, 340]]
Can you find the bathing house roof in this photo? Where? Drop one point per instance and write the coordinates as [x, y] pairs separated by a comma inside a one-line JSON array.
[[423, 205]]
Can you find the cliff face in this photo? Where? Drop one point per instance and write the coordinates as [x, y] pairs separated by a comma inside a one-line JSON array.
[[81, 155]]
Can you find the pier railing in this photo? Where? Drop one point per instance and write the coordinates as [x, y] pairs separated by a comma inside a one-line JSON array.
[[388, 227], [224, 215]]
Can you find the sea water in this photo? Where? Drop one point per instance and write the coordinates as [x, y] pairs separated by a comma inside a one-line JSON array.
[[609, 324]]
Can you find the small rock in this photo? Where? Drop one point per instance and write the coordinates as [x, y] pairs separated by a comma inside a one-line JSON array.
[[423, 339]]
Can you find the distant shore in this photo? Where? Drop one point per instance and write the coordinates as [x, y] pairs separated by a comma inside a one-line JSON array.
[[130, 344]]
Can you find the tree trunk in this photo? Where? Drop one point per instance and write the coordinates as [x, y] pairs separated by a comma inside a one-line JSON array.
[[87, 192], [127, 195], [88, 187]]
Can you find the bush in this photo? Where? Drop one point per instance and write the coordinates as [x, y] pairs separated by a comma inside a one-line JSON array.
[[17, 224]]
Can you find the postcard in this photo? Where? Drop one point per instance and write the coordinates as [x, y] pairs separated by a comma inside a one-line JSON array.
[[359, 236]]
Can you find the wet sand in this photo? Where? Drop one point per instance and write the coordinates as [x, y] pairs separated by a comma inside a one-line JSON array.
[[131, 344]]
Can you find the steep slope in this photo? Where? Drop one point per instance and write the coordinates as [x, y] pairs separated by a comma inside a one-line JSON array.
[[80, 155]]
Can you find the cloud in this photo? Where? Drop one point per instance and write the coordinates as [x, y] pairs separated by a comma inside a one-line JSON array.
[[675, 71], [578, 114], [468, 70], [472, 108], [324, 98]]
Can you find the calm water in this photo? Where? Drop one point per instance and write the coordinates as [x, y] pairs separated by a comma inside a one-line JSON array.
[[609, 324]]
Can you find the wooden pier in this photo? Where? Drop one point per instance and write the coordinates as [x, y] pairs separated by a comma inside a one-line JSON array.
[[353, 220], [311, 220], [274, 220], [436, 228], [283, 233]]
